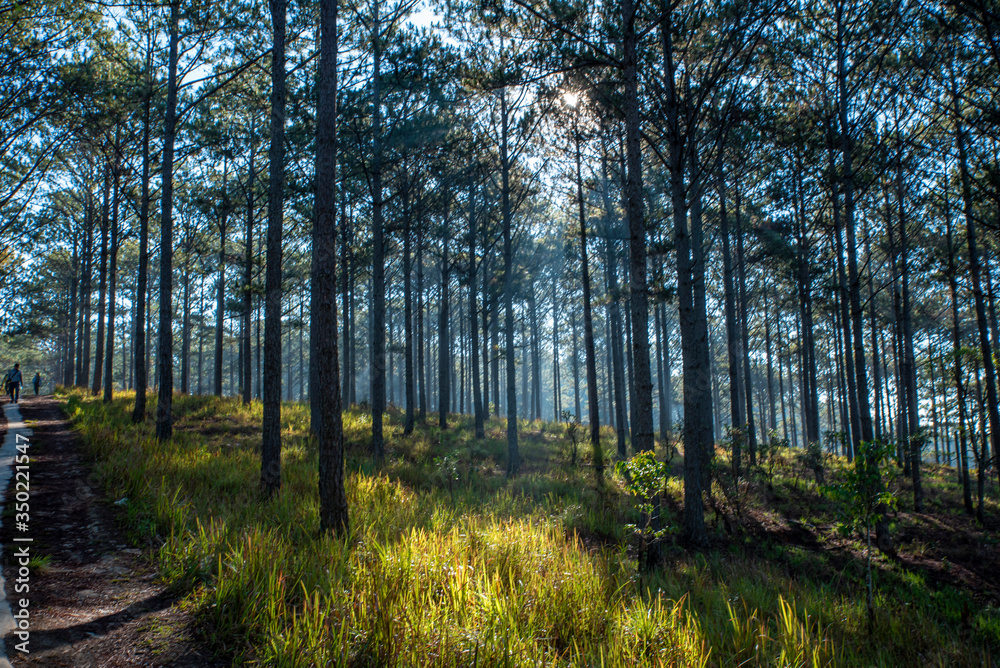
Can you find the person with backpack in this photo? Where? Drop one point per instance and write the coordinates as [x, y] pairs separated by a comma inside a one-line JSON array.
[[37, 382], [14, 383]]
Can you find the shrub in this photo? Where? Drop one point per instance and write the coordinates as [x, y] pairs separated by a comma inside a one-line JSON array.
[[866, 499]]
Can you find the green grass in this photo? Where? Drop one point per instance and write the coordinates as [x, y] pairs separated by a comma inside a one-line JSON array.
[[451, 564]]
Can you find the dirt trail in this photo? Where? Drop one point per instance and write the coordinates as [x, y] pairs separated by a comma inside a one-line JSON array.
[[94, 601]]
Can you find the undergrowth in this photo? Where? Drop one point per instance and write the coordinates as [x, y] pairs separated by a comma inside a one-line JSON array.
[[449, 563]]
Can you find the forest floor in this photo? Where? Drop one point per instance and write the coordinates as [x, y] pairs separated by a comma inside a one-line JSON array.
[[94, 600], [451, 563]]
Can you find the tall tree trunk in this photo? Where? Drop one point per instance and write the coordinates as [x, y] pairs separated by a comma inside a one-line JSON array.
[[619, 412], [556, 379], [513, 456], [248, 270], [854, 282], [772, 413], [165, 342], [270, 464], [588, 328], [934, 404], [186, 329], [378, 247], [421, 364], [809, 390], [302, 329], [732, 331], [909, 363], [142, 278], [661, 385], [495, 348], [220, 295], [69, 355], [407, 318], [745, 330], [575, 365], [536, 371], [109, 355], [641, 413], [876, 374], [699, 262], [444, 333], [852, 387], [345, 285], [102, 290], [785, 432], [668, 378], [693, 324], [332, 495], [477, 390], [486, 333], [86, 295], [956, 334]]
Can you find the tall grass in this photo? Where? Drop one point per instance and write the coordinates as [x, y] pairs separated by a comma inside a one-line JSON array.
[[450, 564]]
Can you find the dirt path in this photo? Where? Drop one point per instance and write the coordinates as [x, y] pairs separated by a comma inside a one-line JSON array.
[[93, 600]]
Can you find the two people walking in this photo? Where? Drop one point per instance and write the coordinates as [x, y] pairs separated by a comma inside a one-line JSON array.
[[13, 381]]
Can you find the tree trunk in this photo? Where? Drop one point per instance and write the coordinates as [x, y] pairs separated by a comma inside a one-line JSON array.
[[873, 326], [616, 350], [536, 371], [513, 456], [733, 338], [668, 379], [576, 365], [616, 354], [852, 387], [407, 319], [86, 295], [661, 385], [854, 284], [378, 248], [248, 272], [477, 390], [772, 413], [588, 331], [142, 279], [556, 379], [220, 298], [345, 286], [909, 363], [745, 331], [332, 495], [421, 364], [486, 335], [809, 390], [270, 465], [69, 355], [102, 290], [165, 342], [693, 326], [186, 328], [641, 414], [444, 334], [109, 355]]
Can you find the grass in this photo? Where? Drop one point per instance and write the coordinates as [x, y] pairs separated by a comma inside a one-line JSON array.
[[451, 564]]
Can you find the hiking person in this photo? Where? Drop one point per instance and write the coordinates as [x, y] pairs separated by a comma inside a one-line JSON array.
[[14, 383], [37, 382]]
